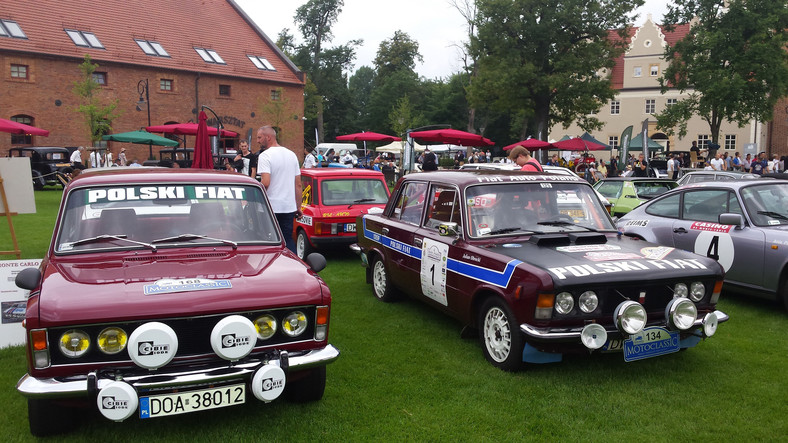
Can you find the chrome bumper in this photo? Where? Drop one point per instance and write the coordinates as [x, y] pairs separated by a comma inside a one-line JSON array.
[[68, 387], [573, 334]]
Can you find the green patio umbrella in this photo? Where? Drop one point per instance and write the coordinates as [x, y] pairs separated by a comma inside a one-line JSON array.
[[140, 137]]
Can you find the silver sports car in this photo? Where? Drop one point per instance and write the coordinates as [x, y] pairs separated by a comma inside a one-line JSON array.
[[743, 224]]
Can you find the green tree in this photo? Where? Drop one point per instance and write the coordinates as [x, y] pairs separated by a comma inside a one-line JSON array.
[[360, 86], [98, 117], [544, 60], [403, 116], [732, 62], [395, 54], [387, 93]]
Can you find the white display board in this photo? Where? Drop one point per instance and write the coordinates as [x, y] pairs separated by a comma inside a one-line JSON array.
[[18, 184], [13, 302]]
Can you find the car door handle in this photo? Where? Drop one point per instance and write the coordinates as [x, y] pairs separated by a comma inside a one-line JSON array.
[[417, 241], [679, 230], [385, 231]]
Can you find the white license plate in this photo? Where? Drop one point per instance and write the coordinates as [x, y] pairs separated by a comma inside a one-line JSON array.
[[350, 227], [192, 401]]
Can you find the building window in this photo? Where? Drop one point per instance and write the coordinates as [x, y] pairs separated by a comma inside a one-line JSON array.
[[638, 71], [22, 139], [703, 141], [613, 141], [224, 90], [152, 48], [651, 106], [18, 71], [261, 63], [165, 84], [654, 70], [276, 94], [672, 101], [210, 56], [86, 39], [100, 78], [10, 28], [615, 107], [730, 141]]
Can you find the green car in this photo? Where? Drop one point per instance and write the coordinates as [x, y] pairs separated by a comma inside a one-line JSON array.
[[626, 193]]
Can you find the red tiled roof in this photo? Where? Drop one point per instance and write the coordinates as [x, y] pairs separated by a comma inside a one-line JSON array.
[[178, 25], [617, 75]]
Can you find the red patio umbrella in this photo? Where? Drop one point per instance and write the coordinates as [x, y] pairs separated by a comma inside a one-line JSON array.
[[452, 136], [368, 137], [187, 129], [531, 144], [202, 146], [21, 128], [578, 144]]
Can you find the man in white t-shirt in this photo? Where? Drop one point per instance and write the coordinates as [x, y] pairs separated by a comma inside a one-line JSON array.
[[309, 159], [281, 176], [717, 163]]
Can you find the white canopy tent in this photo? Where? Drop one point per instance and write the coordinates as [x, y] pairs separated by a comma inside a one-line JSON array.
[[396, 147]]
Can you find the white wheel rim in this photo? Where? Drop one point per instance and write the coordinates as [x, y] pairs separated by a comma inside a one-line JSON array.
[[497, 334], [379, 279], [300, 246]]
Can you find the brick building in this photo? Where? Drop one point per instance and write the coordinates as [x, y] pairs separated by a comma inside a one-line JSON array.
[[192, 53]]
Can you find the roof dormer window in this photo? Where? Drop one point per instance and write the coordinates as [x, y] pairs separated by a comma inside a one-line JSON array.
[[10, 28], [152, 48], [261, 63], [209, 56], [83, 38]]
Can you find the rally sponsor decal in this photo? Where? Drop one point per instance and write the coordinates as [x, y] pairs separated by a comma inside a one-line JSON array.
[[562, 272], [168, 286], [528, 178], [641, 223], [712, 227], [587, 248], [656, 252], [305, 220], [434, 257], [337, 214], [105, 195], [609, 256]]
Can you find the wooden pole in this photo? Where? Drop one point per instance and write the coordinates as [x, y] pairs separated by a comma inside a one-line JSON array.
[[8, 215]]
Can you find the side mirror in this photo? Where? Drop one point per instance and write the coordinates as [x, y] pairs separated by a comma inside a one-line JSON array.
[[732, 219], [448, 230], [28, 278], [316, 261]]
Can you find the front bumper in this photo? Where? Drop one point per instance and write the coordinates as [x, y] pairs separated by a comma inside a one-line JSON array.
[[333, 240], [64, 387]]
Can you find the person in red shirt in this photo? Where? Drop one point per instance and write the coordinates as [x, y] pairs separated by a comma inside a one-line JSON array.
[[523, 158]]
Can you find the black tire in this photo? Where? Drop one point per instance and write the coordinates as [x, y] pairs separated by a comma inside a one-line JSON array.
[[381, 284], [303, 247], [38, 180], [501, 339], [46, 418], [309, 388]]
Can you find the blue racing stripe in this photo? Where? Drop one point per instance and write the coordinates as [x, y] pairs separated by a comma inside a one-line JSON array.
[[391, 243]]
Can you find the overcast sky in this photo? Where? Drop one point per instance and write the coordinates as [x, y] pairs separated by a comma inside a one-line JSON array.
[[436, 25]]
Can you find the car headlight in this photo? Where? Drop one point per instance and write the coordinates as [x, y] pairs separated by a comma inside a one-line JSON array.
[[697, 291], [630, 317], [681, 313], [266, 326], [588, 301], [564, 303], [112, 340], [294, 324], [74, 343], [680, 290]]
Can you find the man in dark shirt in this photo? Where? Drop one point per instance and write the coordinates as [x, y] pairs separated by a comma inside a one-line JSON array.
[[430, 162], [245, 161], [640, 168]]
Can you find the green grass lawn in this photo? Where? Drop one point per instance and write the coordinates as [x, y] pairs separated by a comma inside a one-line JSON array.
[[406, 375]]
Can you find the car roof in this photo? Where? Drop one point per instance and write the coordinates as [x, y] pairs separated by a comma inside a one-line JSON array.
[[729, 184], [143, 175], [487, 176], [340, 172], [40, 148], [635, 179], [740, 174]]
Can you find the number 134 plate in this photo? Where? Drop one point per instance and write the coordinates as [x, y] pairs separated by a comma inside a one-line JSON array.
[[651, 342]]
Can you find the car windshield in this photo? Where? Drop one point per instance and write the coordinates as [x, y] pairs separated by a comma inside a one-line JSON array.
[[651, 189], [767, 204], [526, 208], [353, 191], [164, 215]]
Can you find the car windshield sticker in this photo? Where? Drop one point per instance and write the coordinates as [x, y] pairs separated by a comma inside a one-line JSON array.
[[104, 195], [546, 185], [588, 248], [656, 252], [167, 286], [529, 178], [713, 227], [305, 220], [773, 222], [624, 266], [641, 223], [434, 256], [716, 245]]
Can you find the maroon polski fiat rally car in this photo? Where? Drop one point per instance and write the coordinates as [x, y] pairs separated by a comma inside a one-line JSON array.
[[534, 263], [331, 199], [170, 291]]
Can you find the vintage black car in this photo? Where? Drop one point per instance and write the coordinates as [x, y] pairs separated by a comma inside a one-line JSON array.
[[533, 262], [48, 164]]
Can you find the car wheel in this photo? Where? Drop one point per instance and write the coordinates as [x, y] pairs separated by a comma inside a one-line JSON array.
[[381, 285], [38, 180], [309, 388], [501, 339], [303, 248], [46, 418]]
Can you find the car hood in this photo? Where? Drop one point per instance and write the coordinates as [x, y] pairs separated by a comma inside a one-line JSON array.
[[168, 283], [584, 258]]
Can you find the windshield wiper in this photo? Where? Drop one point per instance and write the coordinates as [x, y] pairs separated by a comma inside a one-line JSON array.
[[565, 223], [361, 200], [774, 214], [513, 229], [106, 237], [187, 237]]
